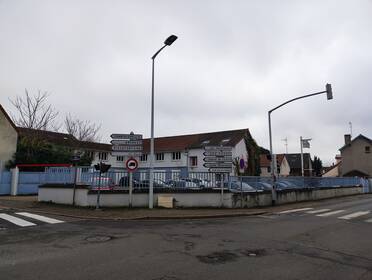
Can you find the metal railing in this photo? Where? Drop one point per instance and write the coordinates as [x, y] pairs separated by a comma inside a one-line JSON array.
[[119, 179]]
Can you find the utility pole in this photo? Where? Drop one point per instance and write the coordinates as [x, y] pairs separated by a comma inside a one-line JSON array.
[[286, 144]]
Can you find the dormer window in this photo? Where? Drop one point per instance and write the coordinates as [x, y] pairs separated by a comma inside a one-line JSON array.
[[225, 141]]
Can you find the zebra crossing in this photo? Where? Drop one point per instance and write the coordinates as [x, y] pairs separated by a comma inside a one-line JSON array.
[[25, 219], [341, 214]]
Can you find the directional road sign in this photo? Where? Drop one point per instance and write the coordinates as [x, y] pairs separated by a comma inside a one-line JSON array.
[[220, 170], [127, 144], [217, 159], [217, 164], [217, 153], [130, 136]]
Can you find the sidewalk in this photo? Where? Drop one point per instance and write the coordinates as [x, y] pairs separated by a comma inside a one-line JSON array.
[[30, 203]]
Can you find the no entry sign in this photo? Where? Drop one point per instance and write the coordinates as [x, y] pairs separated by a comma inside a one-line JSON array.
[[131, 164]]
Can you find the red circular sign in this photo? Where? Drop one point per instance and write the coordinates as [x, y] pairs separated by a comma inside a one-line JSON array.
[[131, 164]]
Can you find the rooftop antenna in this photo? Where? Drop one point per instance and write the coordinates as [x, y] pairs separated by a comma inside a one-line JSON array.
[[351, 129], [286, 144]]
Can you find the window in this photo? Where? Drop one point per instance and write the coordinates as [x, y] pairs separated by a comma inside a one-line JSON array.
[[160, 156], [143, 157], [193, 161], [206, 142], [367, 149], [120, 158], [102, 156], [176, 156], [225, 141], [269, 169]]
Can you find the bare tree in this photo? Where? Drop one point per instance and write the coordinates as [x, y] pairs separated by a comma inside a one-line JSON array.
[[34, 111], [82, 130]]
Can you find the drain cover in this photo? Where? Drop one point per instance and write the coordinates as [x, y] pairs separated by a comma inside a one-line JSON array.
[[98, 238]]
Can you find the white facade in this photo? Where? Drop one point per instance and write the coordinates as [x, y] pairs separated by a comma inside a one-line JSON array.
[[191, 160]]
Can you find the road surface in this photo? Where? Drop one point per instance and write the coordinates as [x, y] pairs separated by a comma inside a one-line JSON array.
[[329, 240]]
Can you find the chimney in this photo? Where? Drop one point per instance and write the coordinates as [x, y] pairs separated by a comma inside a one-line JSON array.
[[347, 139]]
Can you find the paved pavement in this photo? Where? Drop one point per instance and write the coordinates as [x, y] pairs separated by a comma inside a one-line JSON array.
[[324, 240]]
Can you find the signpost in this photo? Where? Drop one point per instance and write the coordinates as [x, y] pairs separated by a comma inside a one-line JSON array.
[[127, 144], [131, 165], [130, 145], [218, 159]]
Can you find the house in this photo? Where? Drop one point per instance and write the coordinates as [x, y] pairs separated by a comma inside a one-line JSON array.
[[334, 169], [184, 153], [356, 156], [294, 161], [8, 138], [282, 164]]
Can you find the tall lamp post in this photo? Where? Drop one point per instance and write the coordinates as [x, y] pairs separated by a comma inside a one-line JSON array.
[[169, 41], [273, 162]]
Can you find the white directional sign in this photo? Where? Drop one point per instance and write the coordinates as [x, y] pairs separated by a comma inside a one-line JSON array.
[[218, 159], [127, 144], [217, 153], [220, 170], [217, 164], [127, 136]]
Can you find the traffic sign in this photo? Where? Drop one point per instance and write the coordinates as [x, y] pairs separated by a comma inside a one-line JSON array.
[[130, 136], [219, 170], [124, 148], [217, 159], [217, 164], [217, 153], [131, 164], [126, 142]]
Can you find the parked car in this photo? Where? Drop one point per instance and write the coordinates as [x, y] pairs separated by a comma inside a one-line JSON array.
[[157, 184], [124, 182], [202, 183], [183, 183]]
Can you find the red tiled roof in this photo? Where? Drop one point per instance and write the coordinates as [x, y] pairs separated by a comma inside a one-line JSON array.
[[264, 162], [193, 141], [63, 139]]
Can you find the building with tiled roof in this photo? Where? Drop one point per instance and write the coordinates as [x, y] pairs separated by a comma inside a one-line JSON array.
[[282, 165]]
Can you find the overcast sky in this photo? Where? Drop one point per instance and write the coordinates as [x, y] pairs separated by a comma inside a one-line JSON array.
[[233, 61]]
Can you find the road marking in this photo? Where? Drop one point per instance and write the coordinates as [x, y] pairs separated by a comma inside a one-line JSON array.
[[16, 221], [368, 221], [318, 211], [40, 218], [330, 213], [294, 210], [354, 215]]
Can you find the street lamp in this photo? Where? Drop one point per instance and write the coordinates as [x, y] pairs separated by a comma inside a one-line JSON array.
[[169, 41], [273, 162]]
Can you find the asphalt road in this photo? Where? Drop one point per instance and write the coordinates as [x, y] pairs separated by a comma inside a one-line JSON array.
[[333, 240]]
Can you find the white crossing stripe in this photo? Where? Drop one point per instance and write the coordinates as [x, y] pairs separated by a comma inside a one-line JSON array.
[[368, 221], [294, 210], [318, 211], [330, 213], [354, 215], [16, 221], [40, 218]]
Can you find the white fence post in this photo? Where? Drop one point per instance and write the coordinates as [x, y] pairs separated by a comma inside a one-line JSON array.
[[14, 182]]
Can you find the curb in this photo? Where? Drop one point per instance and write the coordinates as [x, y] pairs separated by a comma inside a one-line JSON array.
[[145, 217]]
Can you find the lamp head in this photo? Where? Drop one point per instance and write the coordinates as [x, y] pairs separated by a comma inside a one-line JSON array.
[[329, 91], [169, 41]]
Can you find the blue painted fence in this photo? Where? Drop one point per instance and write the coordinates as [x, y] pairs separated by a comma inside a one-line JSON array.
[[5, 180]]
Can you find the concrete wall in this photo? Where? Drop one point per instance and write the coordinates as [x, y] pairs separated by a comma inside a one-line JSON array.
[[63, 195], [8, 139]]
